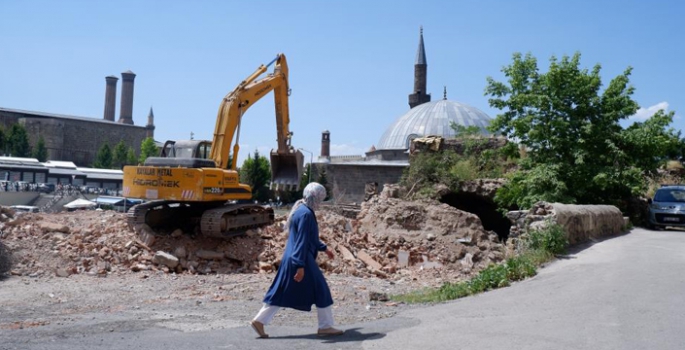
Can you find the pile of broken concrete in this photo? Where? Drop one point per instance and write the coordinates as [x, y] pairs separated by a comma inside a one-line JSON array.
[[390, 238]]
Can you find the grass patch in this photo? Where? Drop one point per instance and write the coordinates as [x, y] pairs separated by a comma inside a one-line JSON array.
[[551, 239], [540, 248]]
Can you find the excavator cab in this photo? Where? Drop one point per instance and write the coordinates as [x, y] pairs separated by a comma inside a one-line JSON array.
[[194, 184], [286, 170], [185, 153]]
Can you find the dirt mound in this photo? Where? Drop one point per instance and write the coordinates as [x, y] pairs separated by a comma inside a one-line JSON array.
[[390, 239]]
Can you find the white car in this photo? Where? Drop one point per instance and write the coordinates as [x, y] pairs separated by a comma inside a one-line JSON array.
[[667, 208]]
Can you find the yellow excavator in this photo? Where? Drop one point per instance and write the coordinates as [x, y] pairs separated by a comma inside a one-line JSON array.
[[194, 184]]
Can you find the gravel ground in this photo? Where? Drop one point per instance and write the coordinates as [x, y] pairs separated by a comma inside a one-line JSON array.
[[185, 302]]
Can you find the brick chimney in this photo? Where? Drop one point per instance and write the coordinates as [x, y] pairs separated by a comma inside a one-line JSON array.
[[326, 144]]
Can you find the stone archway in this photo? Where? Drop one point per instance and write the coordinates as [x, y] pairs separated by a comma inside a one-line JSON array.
[[481, 206]]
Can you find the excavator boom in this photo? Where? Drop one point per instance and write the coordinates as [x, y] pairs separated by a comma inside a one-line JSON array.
[[286, 162]]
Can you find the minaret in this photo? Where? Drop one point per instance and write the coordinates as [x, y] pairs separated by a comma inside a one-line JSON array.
[[126, 110], [150, 127], [110, 97], [420, 76]]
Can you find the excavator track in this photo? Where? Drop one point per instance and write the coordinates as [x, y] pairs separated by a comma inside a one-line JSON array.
[[214, 219], [236, 219], [135, 216], [163, 215]]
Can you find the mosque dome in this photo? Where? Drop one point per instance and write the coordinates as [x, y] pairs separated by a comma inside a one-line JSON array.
[[432, 118]]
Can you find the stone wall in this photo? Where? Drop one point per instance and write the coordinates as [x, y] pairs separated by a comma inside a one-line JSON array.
[[17, 198], [582, 223], [74, 139], [348, 181], [388, 154]]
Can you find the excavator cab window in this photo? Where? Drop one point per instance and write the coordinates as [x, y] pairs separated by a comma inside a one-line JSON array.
[[184, 152], [199, 149], [186, 149], [203, 150]]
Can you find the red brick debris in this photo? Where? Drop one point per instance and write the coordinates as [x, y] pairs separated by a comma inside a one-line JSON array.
[[390, 238]]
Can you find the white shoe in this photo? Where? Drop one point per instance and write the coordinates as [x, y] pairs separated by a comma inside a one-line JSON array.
[[259, 328]]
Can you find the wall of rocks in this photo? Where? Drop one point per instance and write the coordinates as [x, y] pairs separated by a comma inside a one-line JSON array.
[[582, 223]]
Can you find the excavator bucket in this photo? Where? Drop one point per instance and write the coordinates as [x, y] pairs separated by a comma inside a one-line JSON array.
[[286, 170]]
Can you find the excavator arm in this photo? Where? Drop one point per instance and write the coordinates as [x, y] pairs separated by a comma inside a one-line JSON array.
[[286, 162]]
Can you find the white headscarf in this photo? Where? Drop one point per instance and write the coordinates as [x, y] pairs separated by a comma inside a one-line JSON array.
[[312, 196]]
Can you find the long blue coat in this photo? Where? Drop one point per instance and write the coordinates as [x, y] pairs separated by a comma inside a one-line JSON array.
[[300, 251]]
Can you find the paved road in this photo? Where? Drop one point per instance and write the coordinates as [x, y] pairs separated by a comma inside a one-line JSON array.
[[622, 293]]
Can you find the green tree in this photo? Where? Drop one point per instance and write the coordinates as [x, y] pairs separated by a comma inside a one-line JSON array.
[[120, 155], [577, 152], [40, 152], [649, 143], [256, 172], [103, 159], [147, 149], [306, 176], [323, 180], [19, 141], [461, 130], [3, 140], [131, 157]]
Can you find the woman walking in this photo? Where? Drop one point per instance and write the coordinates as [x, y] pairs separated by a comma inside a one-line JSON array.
[[299, 282]]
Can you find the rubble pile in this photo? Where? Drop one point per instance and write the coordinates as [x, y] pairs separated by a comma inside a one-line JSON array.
[[389, 239], [6, 214], [432, 234]]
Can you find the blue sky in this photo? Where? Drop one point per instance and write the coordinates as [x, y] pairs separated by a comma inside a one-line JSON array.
[[351, 62]]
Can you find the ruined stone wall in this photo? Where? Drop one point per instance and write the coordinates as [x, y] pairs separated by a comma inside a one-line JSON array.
[[582, 223], [74, 140], [348, 181], [437, 143]]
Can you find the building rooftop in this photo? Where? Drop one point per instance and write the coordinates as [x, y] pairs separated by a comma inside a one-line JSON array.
[[432, 118], [64, 116]]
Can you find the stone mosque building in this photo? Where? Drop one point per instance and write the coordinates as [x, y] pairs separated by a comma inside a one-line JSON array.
[[384, 163], [78, 139]]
